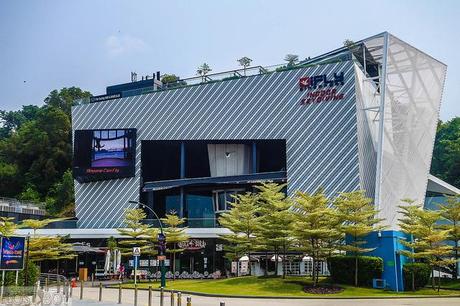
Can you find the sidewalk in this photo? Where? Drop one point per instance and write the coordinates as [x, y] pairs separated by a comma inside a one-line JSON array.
[[110, 298]]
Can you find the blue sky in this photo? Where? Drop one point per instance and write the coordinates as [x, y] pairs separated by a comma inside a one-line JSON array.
[[46, 45]]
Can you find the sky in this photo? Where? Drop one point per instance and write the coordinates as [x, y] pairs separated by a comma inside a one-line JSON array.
[[46, 45]]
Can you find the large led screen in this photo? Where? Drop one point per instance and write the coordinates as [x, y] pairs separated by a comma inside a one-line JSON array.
[[104, 154]]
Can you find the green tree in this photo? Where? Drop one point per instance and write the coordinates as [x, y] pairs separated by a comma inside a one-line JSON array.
[[10, 121], [174, 234], [138, 233], [291, 59], [244, 62], [172, 80], [450, 211], [357, 216], [244, 223], [428, 238], [313, 226], [203, 70], [446, 154], [29, 194], [46, 247], [276, 220], [65, 98], [61, 195], [7, 226]]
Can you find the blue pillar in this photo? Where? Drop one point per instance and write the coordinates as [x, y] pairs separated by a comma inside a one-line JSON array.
[[387, 246]]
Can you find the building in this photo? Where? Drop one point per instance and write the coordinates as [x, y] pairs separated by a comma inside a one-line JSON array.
[[360, 117]]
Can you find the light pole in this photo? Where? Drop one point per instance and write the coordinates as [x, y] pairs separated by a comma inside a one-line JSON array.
[[161, 241]]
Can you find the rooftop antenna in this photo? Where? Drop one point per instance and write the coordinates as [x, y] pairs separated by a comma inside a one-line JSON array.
[[133, 77]]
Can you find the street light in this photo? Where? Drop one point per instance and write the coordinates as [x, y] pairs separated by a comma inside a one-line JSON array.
[[161, 242]]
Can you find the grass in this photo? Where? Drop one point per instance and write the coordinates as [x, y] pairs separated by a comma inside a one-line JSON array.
[[271, 286]]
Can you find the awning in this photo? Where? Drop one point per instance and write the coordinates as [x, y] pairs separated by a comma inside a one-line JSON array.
[[279, 176]]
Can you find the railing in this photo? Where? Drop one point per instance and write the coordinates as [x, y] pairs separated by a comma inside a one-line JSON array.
[[25, 207]]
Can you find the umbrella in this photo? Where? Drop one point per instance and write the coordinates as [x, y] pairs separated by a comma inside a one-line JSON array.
[[107, 262]]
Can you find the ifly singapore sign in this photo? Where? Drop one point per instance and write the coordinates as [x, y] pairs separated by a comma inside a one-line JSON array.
[[321, 88]]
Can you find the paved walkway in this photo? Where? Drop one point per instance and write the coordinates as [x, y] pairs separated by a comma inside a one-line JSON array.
[[110, 298]]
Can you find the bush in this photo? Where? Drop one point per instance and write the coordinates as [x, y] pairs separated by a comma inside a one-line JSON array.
[[421, 274], [32, 276], [342, 269]]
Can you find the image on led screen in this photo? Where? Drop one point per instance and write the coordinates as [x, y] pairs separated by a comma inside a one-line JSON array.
[[104, 154], [111, 149]]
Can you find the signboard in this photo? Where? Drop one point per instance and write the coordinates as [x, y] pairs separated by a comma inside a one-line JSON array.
[[234, 266], [101, 98], [192, 244], [321, 88], [136, 251], [12, 253], [244, 266]]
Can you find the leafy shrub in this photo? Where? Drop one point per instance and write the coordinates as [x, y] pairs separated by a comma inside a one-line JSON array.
[[342, 269], [421, 272]]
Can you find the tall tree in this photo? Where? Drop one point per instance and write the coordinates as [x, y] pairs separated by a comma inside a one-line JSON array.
[[46, 247], [244, 62], [428, 238], [313, 226], [276, 220], [446, 153], [357, 216], [65, 98], [244, 223], [291, 59], [450, 211], [138, 233], [174, 234]]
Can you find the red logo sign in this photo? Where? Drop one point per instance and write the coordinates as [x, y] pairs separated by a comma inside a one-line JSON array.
[[321, 88]]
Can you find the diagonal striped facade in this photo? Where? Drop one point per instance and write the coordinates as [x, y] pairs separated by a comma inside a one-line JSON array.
[[321, 138]]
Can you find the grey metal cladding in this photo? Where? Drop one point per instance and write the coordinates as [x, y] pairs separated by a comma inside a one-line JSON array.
[[321, 138]]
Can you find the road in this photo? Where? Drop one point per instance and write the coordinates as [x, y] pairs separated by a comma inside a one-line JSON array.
[[110, 298]]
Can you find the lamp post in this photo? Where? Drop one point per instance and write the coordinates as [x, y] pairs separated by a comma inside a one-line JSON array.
[[161, 241]]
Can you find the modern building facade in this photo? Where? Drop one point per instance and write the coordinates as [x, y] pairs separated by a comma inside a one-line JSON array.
[[363, 116]]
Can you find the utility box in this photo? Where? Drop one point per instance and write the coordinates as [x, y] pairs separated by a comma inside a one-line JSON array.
[[83, 274]]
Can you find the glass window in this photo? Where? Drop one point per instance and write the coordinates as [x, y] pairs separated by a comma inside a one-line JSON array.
[[200, 210], [172, 204], [222, 198]]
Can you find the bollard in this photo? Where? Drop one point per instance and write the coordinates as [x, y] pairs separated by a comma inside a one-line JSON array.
[[189, 301], [100, 292], [172, 298], [150, 296], [222, 303], [71, 291], [162, 296], [46, 284], [135, 295], [92, 280], [179, 298], [81, 289], [119, 293]]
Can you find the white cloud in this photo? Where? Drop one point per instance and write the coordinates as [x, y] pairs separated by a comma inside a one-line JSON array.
[[119, 45]]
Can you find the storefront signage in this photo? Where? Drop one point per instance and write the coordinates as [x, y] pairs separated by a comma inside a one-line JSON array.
[[321, 88], [192, 244], [104, 97], [12, 253]]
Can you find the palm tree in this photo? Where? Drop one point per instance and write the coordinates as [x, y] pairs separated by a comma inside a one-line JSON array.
[[203, 70], [245, 62]]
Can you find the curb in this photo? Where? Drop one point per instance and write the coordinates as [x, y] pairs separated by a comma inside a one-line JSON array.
[[328, 297]]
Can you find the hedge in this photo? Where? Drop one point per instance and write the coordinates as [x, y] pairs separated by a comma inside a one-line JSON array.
[[342, 269], [421, 272]]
